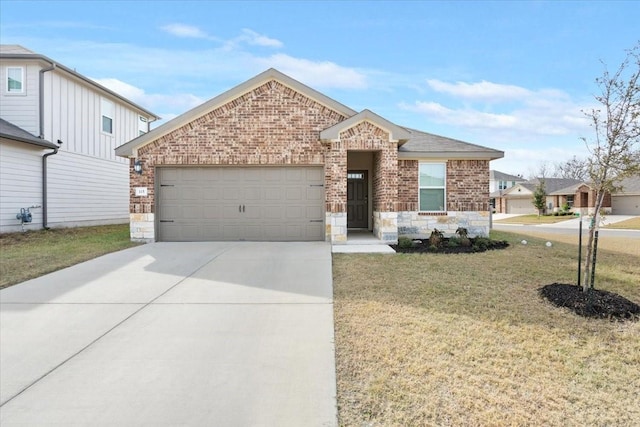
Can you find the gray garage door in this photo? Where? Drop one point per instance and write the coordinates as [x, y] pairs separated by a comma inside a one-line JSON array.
[[625, 205], [240, 203], [520, 206]]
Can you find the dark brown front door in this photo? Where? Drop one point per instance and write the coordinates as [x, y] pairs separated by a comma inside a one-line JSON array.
[[357, 200]]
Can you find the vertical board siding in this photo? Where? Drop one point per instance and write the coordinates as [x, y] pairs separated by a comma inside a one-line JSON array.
[[21, 178], [88, 184], [21, 109]]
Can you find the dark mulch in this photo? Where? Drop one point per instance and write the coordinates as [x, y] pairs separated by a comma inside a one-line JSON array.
[[477, 244], [595, 303]]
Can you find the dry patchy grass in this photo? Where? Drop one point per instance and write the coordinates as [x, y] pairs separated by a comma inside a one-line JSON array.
[[534, 219], [428, 339], [24, 256], [630, 224]]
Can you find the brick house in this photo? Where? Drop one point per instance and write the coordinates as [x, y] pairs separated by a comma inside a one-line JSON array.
[[273, 159]]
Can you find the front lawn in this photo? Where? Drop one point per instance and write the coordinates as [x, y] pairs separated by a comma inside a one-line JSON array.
[[24, 256], [535, 219], [630, 224], [431, 339]]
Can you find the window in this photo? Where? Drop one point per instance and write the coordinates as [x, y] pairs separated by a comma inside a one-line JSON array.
[[143, 125], [15, 80], [355, 175], [502, 185], [432, 180], [570, 200], [107, 116]]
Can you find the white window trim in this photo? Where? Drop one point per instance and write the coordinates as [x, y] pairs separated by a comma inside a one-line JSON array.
[[23, 91], [444, 187], [104, 113], [143, 120]]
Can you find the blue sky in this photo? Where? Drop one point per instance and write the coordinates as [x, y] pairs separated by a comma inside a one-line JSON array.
[[508, 75]]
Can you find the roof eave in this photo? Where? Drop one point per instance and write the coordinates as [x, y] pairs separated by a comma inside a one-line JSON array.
[[79, 76], [43, 143], [453, 155]]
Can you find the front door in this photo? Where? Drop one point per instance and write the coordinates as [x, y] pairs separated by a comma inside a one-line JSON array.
[[357, 199]]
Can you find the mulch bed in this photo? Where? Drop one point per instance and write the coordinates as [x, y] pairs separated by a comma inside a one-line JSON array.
[[596, 303], [476, 245]]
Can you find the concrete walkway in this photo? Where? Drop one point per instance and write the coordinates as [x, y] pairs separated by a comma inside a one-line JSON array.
[[197, 334]]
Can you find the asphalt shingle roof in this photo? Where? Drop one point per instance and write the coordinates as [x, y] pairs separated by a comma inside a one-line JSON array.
[[10, 131]]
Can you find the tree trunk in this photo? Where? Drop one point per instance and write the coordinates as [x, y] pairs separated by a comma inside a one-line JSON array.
[[587, 283]]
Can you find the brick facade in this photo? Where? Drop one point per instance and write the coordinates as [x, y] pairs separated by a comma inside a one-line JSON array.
[[273, 124], [468, 185], [270, 125]]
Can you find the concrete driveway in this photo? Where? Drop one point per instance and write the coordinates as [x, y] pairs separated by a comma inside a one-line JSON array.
[[197, 334]]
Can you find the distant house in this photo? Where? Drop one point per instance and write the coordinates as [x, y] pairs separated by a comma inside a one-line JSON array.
[[627, 200], [58, 132], [561, 192], [498, 183]]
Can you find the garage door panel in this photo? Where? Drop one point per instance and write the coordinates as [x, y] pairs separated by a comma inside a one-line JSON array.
[[206, 203], [294, 194], [625, 205]]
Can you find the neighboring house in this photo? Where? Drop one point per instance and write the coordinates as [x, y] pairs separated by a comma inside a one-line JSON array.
[[627, 200], [273, 159], [576, 194], [500, 181], [58, 132]]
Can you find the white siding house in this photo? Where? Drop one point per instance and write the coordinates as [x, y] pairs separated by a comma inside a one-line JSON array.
[[78, 122]]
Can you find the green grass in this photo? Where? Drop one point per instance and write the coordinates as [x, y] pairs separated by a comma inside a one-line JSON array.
[[24, 256], [535, 219], [429, 339]]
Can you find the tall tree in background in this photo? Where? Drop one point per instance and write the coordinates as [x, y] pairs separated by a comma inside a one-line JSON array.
[[574, 168], [614, 147]]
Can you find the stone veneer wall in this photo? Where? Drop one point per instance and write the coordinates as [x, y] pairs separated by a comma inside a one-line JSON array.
[[419, 225], [270, 125]]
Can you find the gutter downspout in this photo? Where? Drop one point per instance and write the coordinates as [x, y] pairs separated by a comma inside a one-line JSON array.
[[44, 185], [41, 136]]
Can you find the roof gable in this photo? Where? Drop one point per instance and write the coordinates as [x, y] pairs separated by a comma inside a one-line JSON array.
[[396, 133], [521, 189], [130, 148]]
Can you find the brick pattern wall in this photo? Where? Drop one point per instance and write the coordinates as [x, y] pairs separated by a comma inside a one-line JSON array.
[[408, 185], [270, 125], [364, 137], [468, 185]]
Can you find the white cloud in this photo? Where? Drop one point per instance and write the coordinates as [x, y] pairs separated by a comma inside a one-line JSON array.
[[183, 30], [247, 36], [483, 90], [506, 112], [254, 38], [321, 74], [171, 103]]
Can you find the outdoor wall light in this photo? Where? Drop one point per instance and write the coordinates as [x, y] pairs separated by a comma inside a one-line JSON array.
[[137, 167]]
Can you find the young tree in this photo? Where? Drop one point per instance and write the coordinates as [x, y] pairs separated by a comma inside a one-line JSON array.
[[540, 197], [614, 148]]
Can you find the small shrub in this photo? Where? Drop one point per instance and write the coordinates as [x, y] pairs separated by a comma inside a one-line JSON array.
[[482, 243], [433, 248], [556, 213], [405, 242], [436, 237], [454, 242], [462, 232]]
